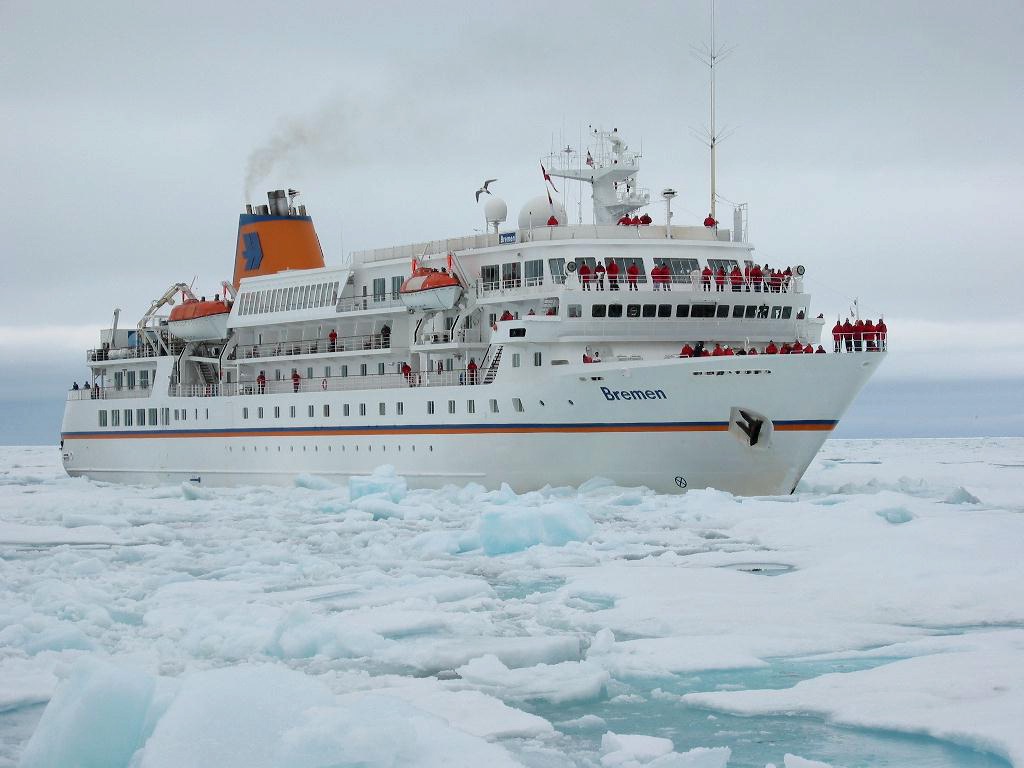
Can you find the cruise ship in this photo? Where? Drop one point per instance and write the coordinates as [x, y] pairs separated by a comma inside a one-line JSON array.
[[544, 352]]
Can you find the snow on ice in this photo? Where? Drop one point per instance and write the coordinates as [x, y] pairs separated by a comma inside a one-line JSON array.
[[370, 624]]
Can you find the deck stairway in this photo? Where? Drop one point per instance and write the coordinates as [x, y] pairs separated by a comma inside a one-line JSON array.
[[492, 369]]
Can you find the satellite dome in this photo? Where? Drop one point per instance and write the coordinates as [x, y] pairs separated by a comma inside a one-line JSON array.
[[536, 212], [495, 210]]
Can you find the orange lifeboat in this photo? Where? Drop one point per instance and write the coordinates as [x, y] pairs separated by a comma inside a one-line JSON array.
[[196, 320], [429, 288]]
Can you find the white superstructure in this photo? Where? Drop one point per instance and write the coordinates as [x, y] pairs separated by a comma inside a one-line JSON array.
[[325, 370]]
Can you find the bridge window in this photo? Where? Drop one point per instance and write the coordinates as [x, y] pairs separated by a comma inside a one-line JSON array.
[[490, 276], [396, 286], [534, 271], [379, 289], [557, 269], [511, 276], [681, 268], [726, 264]]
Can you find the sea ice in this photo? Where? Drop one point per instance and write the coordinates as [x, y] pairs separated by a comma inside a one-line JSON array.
[[384, 481], [512, 528]]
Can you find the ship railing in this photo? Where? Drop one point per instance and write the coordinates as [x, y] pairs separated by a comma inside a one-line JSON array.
[[369, 341], [105, 354], [458, 377], [108, 393], [691, 283], [362, 303]]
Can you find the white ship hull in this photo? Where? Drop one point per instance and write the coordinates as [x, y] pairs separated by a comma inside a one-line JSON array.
[[670, 431]]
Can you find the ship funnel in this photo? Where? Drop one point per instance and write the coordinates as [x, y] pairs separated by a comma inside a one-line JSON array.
[[274, 238]]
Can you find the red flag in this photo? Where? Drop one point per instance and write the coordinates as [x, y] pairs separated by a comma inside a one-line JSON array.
[[590, 159], [547, 178]]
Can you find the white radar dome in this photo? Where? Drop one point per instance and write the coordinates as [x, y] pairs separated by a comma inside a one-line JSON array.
[[495, 210], [537, 211]]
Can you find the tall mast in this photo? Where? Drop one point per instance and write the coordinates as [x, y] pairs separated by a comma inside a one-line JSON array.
[[711, 129]]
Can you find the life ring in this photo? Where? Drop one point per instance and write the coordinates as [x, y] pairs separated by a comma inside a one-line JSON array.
[[323, 384]]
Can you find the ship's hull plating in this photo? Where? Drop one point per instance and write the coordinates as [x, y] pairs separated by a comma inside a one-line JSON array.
[[669, 425]]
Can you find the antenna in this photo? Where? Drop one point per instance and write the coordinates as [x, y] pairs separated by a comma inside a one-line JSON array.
[[710, 56]]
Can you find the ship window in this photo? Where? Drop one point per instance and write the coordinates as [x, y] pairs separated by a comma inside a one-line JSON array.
[[515, 360], [598, 310], [127, 417], [140, 417], [490, 276], [379, 288], [115, 418], [494, 406], [703, 310], [144, 379], [396, 286], [633, 310], [362, 409], [738, 311], [534, 271], [118, 379], [321, 295], [362, 369], [277, 375], [277, 412], [184, 414], [650, 310], [510, 275], [102, 418], [327, 371], [517, 405], [451, 406], [344, 370], [291, 411], [575, 310], [750, 312], [311, 411], [681, 269], [259, 412], [382, 409], [152, 417], [177, 414], [557, 269], [682, 310], [722, 310], [334, 292], [536, 358], [307, 292], [327, 410], [131, 379], [399, 408], [787, 312], [345, 410], [380, 369], [776, 313], [726, 264], [471, 406], [614, 310], [309, 372], [245, 413], [430, 407], [290, 299]]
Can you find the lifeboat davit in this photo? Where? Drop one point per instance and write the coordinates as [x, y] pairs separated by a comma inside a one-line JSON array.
[[200, 320], [428, 288]]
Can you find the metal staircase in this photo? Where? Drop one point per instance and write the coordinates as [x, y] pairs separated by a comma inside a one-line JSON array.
[[492, 369]]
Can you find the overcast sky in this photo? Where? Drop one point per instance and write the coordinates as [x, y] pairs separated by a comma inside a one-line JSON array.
[[877, 143]]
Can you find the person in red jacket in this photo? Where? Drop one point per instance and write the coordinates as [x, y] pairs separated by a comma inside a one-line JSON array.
[[736, 278], [858, 335], [656, 277], [599, 276], [869, 336], [756, 277], [471, 371], [785, 350], [705, 278], [632, 273], [686, 351], [407, 372], [837, 334], [261, 384], [666, 277], [720, 279], [710, 222], [645, 220], [729, 351], [613, 275], [771, 349], [796, 348], [635, 221], [296, 380], [809, 350], [718, 350], [584, 272], [332, 340], [882, 332], [624, 221], [848, 335]]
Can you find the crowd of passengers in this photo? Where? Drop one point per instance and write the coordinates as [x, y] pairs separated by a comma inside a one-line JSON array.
[[860, 335], [750, 278], [796, 348]]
